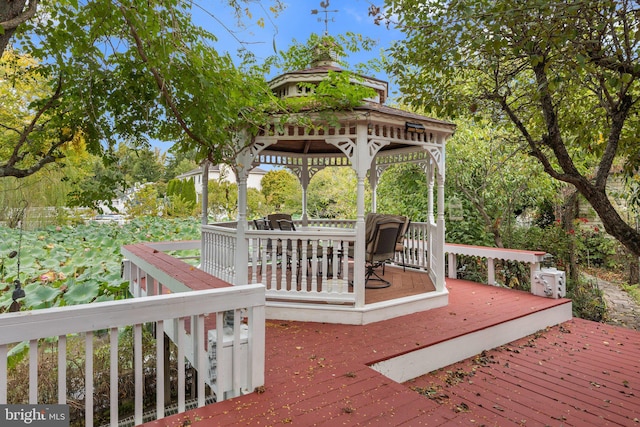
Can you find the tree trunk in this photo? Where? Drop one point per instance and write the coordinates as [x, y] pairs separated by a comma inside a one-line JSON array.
[[10, 13], [569, 213], [613, 223], [634, 270]]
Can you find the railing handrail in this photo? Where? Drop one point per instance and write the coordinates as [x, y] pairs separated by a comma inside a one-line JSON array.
[[495, 253], [49, 322], [179, 245], [318, 234]]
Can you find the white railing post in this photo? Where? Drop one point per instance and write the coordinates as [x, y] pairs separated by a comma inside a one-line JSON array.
[[160, 369], [88, 379], [62, 369], [33, 372], [491, 272], [137, 368], [453, 263], [113, 376]]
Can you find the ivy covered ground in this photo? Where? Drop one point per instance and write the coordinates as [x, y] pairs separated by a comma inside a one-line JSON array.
[[70, 265]]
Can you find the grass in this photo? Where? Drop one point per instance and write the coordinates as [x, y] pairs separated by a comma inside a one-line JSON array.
[[632, 290]]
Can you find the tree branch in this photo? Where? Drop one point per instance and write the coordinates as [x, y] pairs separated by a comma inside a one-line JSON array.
[[24, 135], [554, 138], [160, 82], [23, 17]]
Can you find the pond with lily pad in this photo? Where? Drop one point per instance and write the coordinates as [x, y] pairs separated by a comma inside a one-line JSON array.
[[69, 265]]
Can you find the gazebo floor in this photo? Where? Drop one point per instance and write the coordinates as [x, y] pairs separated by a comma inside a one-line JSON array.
[[578, 373]]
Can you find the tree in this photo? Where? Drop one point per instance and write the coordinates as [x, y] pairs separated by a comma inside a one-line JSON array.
[[148, 165], [563, 75], [495, 176], [144, 202], [223, 199], [331, 193], [282, 191], [124, 71]]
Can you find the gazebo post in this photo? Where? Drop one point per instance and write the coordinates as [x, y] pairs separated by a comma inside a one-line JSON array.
[[304, 182], [439, 247], [243, 163], [374, 174], [361, 163]]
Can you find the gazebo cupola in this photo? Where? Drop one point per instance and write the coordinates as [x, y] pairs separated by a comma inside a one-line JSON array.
[[325, 60]]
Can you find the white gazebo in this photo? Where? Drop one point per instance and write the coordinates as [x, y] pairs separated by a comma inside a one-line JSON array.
[[369, 139]]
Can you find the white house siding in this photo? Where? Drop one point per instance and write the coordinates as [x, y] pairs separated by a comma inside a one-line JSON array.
[[254, 180]]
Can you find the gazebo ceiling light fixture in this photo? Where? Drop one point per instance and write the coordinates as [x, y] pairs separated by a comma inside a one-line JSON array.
[[414, 127]]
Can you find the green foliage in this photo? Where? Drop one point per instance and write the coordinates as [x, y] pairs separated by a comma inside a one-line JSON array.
[[178, 164], [403, 190], [144, 202], [494, 176], [336, 92], [189, 191], [256, 204], [331, 194], [147, 165], [561, 77], [282, 191], [594, 247], [76, 265], [223, 200], [470, 230], [587, 300], [135, 72], [299, 56], [632, 290], [179, 207]]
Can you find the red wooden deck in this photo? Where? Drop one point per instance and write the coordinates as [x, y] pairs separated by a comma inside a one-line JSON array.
[[579, 373]]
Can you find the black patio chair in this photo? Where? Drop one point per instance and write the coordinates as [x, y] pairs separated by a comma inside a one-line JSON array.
[[380, 249]]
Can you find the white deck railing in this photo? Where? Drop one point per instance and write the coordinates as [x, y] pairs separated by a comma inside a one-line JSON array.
[[219, 244], [533, 258], [304, 266], [168, 313], [299, 266]]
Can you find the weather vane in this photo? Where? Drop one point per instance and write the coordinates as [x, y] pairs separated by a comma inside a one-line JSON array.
[[325, 9]]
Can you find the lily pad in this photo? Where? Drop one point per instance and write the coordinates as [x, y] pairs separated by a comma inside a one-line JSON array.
[[82, 293], [40, 296]]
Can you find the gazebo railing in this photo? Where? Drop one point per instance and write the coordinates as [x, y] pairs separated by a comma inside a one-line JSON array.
[[309, 264], [219, 244], [299, 266]]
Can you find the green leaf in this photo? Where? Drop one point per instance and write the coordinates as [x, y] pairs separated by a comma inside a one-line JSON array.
[[40, 296], [17, 354], [81, 293]]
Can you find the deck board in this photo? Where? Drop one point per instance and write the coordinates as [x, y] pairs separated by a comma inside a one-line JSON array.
[[318, 373], [579, 373]]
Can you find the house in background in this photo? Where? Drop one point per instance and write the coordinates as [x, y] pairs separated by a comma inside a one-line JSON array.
[[223, 172]]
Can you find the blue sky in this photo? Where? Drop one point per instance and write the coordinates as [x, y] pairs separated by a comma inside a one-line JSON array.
[[295, 22]]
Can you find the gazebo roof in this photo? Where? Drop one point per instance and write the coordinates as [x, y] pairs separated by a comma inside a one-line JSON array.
[[400, 130]]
